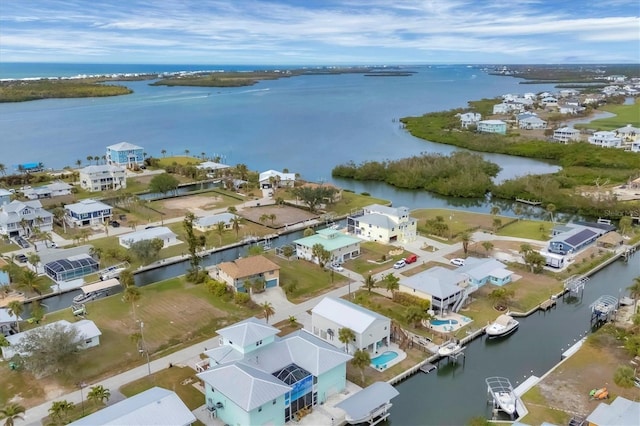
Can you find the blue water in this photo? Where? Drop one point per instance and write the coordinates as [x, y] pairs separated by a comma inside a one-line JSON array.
[[443, 322], [384, 358]]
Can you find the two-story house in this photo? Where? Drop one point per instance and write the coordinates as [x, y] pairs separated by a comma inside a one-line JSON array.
[[20, 218], [125, 154], [339, 245], [492, 126], [383, 224], [239, 273], [605, 139], [87, 213], [566, 135], [104, 177]]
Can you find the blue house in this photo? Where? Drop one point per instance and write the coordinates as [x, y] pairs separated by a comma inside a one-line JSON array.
[[87, 212], [482, 271], [125, 154], [257, 378], [572, 238]]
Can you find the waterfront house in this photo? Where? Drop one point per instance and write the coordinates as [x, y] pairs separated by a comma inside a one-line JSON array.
[[566, 135], [635, 146], [71, 267], [372, 331], [88, 335], [211, 167], [21, 218], [275, 179], [87, 213], [339, 245], [105, 177], [501, 108], [210, 222], [335, 197], [628, 133], [155, 406], [572, 238], [482, 271], [383, 224], [492, 126], [162, 233], [530, 123], [444, 288], [469, 119], [5, 197], [549, 102], [621, 412], [257, 378], [53, 189], [125, 154], [239, 272], [606, 139]]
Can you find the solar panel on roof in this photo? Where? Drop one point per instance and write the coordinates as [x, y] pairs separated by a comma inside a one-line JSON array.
[[580, 237]]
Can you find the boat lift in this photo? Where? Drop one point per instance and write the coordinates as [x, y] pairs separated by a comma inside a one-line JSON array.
[[501, 395], [574, 286], [603, 310]]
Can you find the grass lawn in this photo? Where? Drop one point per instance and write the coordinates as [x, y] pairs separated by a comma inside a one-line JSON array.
[[370, 251], [371, 375], [351, 201], [178, 159], [77, 412], [531, 229], [178, 379], [175, 314], [310, 280], [625, 114], [458, 220], [7, 246]]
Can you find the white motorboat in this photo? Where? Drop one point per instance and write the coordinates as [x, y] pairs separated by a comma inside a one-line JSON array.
[[502, 326], [501, 391], [449, 348], [507, 402]]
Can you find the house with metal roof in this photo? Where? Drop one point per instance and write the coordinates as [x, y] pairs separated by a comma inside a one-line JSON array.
[[276, 179], [482, 271], [211, 166], [20, 218], [628, 133], [88, 335], [444, 288], [153, 407], [605, 139], [166, 235], [209, 222], [574, 238], [5, 196], [238, 273], [103, 177], [372, 331], [256, 377], [53, 189], [621, 412], [383, 224], [87, 213], [469, 119], [492, 126], [340, 245], [530, 123], [125, 154], [566, 135]]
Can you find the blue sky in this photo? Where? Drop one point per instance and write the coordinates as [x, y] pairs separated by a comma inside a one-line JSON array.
[[320, 32]]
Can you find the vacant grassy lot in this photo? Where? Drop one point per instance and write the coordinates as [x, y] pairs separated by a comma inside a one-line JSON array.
[[458, 220], [351, 201], [374, 258], [182, 160], [277, 216], [174, 313], [624, 114], [531, 229]]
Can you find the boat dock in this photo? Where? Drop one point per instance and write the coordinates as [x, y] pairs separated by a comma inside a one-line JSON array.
[[529, 202], [427, 367], [502, 396]]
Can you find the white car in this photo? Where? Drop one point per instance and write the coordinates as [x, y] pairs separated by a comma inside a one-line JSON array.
[[399, 264], [457, 262], [337, 267]]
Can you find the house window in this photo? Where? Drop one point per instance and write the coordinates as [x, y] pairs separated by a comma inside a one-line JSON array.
[[259, 409], [274, 402], [259, 342], [87, 341]]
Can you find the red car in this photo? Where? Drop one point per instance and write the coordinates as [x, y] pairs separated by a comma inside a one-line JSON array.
[[411, 258]]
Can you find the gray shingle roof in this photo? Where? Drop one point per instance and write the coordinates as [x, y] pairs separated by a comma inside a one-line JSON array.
[[156, 406], [248, 332]]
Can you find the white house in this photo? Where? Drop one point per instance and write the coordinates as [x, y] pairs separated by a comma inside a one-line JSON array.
[[492, 126], [163, 233], [444, 288], [212, 167], [5, 197], [339, 245], [206, 223], [566, 135], [372, 331], [88, 335], [606, 139], [635, 146], [87, 213], [383, 224], [273, 178], [549, 102], [530, 123], [104, 177], [125, 154], [469, 118], [22, 217], [155, 406], [53, 189], [7, 321]]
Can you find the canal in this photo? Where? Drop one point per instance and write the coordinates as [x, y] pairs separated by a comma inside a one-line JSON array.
[[453, 394]]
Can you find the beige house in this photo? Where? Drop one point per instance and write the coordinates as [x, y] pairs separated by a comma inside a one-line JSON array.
[[383, 224], [103, 178], [248, 269]]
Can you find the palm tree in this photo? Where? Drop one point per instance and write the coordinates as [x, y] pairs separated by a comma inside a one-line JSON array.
[[15, 308], [369, 282], [31, 280], [34, 259], [220, 227], [361, 359], [500, 297], [163, 152], [518, 210], [550, 209], [267, 310], [495, 210], [89, 158], [392, 283], [10, 413], [465, 237], [415, 315], [497, 223], [60, 409], [346, 336], [58, 213], [203, 155], [99, 394], [235, 224], [634, 291], [272, 216], [264, 218], [186, 152], [131, 294], [78, 163], [3, 169], [488, 246]]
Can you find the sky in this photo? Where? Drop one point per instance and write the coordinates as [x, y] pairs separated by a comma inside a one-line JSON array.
[[320, 31]]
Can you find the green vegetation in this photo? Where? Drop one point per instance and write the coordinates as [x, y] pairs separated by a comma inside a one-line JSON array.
[[624, 114], [20, 91], [530, 229], [374, 258], [461, 174]]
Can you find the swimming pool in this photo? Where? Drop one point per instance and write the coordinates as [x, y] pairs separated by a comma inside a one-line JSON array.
[[384, 358], [443, 322]]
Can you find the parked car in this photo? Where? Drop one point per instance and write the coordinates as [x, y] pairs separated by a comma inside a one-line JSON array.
[[399, 264], [53, 244], [21, 258], [114, 223], [336, 267], [457, 261], [411, 258]]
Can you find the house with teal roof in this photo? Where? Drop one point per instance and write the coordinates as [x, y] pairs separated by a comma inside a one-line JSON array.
[[340, 245], [255, 377]]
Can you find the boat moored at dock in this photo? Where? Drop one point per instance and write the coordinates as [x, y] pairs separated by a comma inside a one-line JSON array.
[[502, 326]]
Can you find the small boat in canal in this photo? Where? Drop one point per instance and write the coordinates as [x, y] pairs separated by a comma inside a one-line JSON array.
[[449, 348], [502, 394], [502, 326]]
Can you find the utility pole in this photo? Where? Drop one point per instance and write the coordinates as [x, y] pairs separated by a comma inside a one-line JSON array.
[[144, 347]]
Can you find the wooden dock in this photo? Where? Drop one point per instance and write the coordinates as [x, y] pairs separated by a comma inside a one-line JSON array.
[[427, 367], [529, 202], [548, 304]]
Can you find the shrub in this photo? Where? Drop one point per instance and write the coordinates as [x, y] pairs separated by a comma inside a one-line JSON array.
[[216, 288], [410, 300], [241, 298]]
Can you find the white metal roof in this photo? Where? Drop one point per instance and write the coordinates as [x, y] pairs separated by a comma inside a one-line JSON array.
[[101, 285], [368, 400], [123, 146], [248, 331], [437, 281], [347, 314], [156, 406], [5, 317], [87, 206], [161, 232]]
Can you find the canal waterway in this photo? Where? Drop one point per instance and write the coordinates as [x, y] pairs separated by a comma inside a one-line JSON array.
[[455, 393]]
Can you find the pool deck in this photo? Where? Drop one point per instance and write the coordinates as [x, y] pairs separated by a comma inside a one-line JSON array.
[[449, 328], [402, 355]]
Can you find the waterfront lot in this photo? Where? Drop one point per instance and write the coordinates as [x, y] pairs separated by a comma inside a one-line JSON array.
[[458, 220], [375, 258]]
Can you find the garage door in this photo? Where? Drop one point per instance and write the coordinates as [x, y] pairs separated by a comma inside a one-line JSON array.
[[272, 283]]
